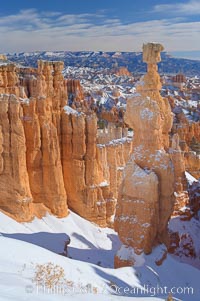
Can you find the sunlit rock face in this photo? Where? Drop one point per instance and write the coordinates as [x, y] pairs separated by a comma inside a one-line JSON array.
[[15, 193], [31, 169], [49, 154], [92, 171], [146, 196]]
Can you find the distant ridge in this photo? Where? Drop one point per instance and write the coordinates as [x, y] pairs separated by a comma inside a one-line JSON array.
[[100, 59]]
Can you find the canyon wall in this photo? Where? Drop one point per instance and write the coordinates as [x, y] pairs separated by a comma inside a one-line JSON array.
[[30, 123], [15, 193], [92, 172], [49, 153]]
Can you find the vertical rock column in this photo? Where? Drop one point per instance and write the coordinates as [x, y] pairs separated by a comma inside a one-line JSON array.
[[42, 127], [180, 185], [9, 82], [80, 167], [73, 152], [146, 199], [93, 177], [15, 196]]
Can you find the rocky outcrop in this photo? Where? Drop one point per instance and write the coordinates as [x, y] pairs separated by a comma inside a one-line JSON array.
[[33, 126], [114, 115], [111, 132], [91, 171], [137, 214], [15, 193], [75, 90], [182, 245], [49, 153], [121, 71], [3, 57], [42, 130], [180, 184], [194, 195], [146, 198], [192, 163], [179, 78], [189, 141], [188, 132], [9, 82]]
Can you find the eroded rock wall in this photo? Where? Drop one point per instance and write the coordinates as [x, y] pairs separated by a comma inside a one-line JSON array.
[[49, 153], [15, 193], [91, 171], [32, 126]]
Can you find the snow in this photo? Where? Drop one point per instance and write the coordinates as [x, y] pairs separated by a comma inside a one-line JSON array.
[[100, 84], [128, 252], [146, 225], [130, 220], [49, 53], [120, 141], [68, 110], [191, 229], [3, 63], [116, 141], [83, 235], [139, 172], [121, 168], [104, 184], [190, 178], [19, 264], [24, 246], [146, 114]]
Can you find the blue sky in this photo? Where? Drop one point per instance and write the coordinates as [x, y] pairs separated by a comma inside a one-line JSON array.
[[107, 25]]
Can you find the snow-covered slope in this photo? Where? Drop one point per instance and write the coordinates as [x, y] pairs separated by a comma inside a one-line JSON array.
[[89, 274], [101, 83]]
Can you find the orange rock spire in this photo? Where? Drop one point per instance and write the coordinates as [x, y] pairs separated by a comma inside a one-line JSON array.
[[146, 199]]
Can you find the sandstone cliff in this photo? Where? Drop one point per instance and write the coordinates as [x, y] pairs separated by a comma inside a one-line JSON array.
[[49, 152], [15, 194], [33, 128], [91, 171], [9, 81]]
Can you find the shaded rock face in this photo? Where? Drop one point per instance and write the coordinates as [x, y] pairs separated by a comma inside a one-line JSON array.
[[146, 196], [194, 194], [189, 136], [75, 90], [49, 156], [182, 245], [180, 181]]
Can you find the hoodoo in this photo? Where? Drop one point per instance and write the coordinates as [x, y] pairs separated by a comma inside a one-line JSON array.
[[146, 195]]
